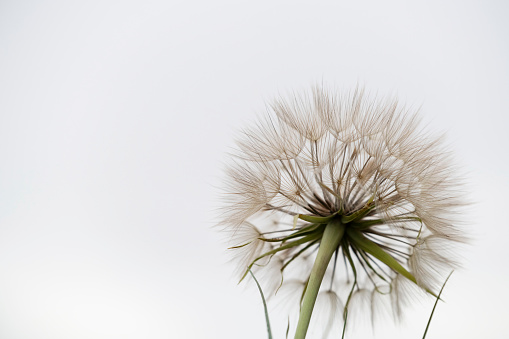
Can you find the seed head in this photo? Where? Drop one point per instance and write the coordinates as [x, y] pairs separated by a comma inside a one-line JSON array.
[[364, 163]]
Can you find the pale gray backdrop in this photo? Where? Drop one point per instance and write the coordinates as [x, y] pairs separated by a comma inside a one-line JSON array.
[[115, 117]]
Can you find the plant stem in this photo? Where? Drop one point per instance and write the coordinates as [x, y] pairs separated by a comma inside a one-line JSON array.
[[330, 241]]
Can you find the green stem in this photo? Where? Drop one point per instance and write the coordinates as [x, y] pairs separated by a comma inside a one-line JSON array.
[[329, 244]]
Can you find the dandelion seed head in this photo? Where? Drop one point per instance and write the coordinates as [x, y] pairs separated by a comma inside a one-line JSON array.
[[364, 161]]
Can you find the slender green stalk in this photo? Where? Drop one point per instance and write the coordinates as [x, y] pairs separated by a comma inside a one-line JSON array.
[[330, 241], [269, 332], [435, 306]]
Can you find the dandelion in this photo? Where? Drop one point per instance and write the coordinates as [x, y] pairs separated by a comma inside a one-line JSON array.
[[345, 199]]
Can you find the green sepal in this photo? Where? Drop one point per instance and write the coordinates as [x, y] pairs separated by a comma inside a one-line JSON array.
[[286, 246], [306, 230], [239, 246], [358, 214], [366, 261], [316, 220], [370, 247], [362, 225], [295, 256], [300, 233]]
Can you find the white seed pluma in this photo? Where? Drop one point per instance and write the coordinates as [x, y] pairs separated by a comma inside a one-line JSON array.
[[351, 181]]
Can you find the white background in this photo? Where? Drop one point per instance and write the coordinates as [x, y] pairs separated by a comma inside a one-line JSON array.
[[115, 118]]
